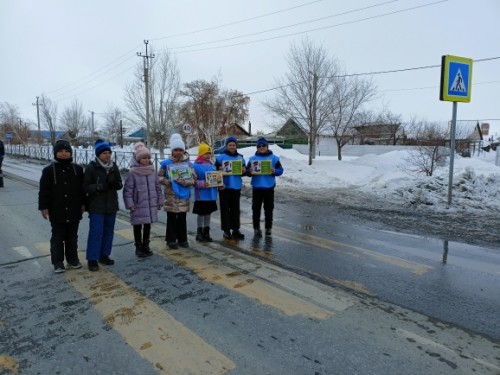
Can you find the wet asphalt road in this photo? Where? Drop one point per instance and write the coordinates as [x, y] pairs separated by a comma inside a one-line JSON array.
[[49, 322], [450, 281]]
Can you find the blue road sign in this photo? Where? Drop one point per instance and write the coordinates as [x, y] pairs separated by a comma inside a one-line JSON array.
[[456, 79]]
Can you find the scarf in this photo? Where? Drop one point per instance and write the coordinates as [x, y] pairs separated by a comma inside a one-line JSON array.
[[107, 167], [142, 170]]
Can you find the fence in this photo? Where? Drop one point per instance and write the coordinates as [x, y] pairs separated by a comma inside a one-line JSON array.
[[80, 156]]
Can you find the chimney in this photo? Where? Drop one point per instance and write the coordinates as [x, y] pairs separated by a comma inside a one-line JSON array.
[[249, 128], [485, 128]]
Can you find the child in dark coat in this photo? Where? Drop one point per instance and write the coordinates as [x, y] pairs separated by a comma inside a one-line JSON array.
[[61, 200], [142, 196], [101, 182]]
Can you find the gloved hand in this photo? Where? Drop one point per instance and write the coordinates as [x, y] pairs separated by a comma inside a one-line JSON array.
[[115, 184], [101, 187]]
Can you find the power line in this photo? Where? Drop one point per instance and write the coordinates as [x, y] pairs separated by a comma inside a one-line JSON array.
[[97, 85], [316, 29], [372, 73], [238, 22], [114, 67], [287, 26], [98, 70]]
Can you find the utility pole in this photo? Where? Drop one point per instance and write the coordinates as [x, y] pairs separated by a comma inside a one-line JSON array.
[[92, 127], [314, 125], [38, 137], [146, 58], [121, 133]]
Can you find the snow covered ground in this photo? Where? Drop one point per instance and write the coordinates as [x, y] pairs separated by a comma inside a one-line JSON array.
[[378, 188], [476, 181]]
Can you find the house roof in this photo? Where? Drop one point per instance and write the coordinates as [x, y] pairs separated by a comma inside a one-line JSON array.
[[141, 133]]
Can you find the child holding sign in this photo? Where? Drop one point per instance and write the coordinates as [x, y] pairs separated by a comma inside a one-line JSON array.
[[205, 195], [263, 167]]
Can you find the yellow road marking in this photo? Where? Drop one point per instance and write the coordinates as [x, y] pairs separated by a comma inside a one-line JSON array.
[[414, 267], [8, 364], [149, 330], [232, 279]]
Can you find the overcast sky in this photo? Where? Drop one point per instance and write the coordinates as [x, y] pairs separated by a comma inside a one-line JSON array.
[[87, 49]]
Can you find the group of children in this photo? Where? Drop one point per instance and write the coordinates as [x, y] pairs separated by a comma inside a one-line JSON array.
[[66, 191]]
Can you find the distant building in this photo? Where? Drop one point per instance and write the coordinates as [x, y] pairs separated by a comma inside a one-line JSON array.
[[139, 135], [378, 133], [292, 132]]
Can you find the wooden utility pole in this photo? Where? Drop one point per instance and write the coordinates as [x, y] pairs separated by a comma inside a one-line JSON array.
[[146, 58], [92, 129], [39, 135]]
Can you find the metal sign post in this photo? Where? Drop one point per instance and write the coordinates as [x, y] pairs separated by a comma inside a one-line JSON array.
[[456, 82]]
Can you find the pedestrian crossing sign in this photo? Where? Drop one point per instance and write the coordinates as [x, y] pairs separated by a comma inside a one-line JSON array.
[[456, 79]]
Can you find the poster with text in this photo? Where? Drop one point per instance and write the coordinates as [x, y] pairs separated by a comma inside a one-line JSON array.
[[232, 167], [261, 167]]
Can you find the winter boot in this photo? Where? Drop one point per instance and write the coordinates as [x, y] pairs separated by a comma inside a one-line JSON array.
[[146, 249], [139, 251], [206, 234], [199, 235]]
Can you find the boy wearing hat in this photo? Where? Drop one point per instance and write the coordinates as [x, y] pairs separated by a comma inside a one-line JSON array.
[[61, 201], [177, 192], [101, 182], [263, 186], [229, 197]]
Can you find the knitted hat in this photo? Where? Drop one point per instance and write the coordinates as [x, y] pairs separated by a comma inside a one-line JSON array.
[[61, 144], [203, 149], [232, 138], [101, 146], [176, 142], [262, 142], [141, 151]]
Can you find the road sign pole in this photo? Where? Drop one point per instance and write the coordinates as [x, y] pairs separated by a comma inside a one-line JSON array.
[[452, 150]]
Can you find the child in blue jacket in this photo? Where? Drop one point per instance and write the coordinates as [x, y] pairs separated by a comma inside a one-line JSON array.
[[176, 175], [204, 196], [229, 196], [263, 185]]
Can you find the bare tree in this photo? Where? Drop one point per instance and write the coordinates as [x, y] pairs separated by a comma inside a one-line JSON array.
[[74, 121], [211, 110], [430, 139], [348, 96], [164, 82], [13, 124], [48, 110], [9, 117], [304, 93], [112, 129]]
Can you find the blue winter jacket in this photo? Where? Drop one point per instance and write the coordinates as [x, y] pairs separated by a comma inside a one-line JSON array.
[[182, 192], [232, 181], [202, 193], [265, 181]]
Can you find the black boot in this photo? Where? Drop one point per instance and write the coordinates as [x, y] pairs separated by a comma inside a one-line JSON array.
[[199, 235], [206, 234], [139, 251], [146, 249]]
